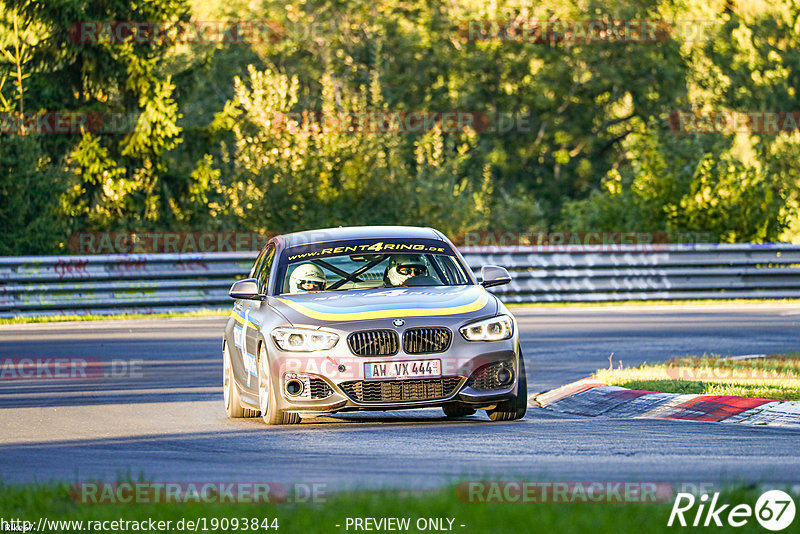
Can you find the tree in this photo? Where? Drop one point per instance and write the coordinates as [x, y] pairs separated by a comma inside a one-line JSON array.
[[295, 168]]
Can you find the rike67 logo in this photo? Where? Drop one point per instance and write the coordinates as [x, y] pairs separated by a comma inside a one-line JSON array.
[[774, 510]]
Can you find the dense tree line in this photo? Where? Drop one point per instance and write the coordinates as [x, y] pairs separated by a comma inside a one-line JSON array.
[[562, 133]]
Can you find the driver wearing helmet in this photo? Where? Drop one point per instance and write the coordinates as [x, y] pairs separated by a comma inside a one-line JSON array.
[[306, 277], [402, 267]]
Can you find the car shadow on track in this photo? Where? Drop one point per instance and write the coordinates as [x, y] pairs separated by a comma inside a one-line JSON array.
[[392, 417]]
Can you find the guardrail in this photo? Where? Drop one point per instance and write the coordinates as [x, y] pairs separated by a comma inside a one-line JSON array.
[[147, 283]]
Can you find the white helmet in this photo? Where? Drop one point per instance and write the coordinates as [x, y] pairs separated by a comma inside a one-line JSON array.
[[404, 266], [306, 274]]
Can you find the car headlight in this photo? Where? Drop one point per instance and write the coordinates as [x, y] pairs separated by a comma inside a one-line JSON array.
[[493, 329], [303, 340]]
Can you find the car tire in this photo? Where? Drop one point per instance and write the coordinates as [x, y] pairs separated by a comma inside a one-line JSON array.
[[230, 393], [267, 394], [457, 409], [513, 408]]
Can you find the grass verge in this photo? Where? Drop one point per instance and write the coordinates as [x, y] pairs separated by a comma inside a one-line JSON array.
[[774, 377], [114, 317], [720, 302], [52, 501], [215, 312]]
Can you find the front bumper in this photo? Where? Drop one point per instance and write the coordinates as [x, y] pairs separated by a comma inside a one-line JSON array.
[[340, 375]]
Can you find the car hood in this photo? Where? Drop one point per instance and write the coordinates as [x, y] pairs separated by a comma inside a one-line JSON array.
[[334, 307]]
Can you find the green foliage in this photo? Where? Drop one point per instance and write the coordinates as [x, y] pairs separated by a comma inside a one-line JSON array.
[[294, 168], [733, 201], [739, 187], [28, 183], [577, 139], [673, 185]]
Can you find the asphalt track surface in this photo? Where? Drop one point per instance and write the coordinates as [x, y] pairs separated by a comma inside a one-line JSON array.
[[164, 420]]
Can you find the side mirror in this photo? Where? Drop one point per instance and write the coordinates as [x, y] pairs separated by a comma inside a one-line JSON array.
[[494, 276], [246, 289]]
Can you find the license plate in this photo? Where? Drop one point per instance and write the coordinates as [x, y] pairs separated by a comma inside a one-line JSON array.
[[407, 369]]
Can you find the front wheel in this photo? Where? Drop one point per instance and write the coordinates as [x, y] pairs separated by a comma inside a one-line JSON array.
[[513, 408], [230, 393], [267, 396]]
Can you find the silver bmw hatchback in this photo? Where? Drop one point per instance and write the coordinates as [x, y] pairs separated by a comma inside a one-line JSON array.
[[369, 318]]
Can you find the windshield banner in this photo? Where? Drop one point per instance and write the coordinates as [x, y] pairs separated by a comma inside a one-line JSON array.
[[366, 246]]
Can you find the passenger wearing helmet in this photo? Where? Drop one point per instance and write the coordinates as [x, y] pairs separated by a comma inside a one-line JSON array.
[[306, 277], [402, 267]]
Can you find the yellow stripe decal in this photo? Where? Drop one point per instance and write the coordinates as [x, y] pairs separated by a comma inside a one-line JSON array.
[[476, 305], [239, 319]]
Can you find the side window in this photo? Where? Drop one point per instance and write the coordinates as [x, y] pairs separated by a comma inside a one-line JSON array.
[[257, 263], [452, 273], [264, 269]]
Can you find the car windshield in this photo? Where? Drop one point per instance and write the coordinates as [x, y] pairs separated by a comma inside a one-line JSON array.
[[366, 265]]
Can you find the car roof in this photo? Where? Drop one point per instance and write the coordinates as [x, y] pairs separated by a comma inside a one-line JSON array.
[[360, 232]]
